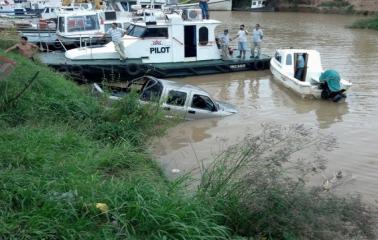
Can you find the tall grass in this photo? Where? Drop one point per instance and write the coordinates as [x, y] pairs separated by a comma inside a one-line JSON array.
[[259, 185], [62, 151]]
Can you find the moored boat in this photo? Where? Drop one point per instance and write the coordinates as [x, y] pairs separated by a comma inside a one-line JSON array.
[[310, 80], [178, 43]]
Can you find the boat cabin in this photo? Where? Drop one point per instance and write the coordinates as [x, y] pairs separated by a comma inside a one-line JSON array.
[[287, 60], [85, 24], [255, 4], [169, 38]]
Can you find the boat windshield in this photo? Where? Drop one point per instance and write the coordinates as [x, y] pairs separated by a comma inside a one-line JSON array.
[[82, 23], [135, 31]]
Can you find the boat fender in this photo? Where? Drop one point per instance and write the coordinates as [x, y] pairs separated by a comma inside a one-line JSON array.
[[266, 65], [133, 69], [63, 69], [58, 44], [77, 70], [258, 65]]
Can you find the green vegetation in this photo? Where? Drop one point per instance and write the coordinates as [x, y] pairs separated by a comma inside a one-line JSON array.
[[260, 185], [73, 166], [62, 152], [370, 23], [337, 6], [8, 38]]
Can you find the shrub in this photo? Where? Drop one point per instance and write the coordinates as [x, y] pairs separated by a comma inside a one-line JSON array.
[[259, 185], [371, 23]]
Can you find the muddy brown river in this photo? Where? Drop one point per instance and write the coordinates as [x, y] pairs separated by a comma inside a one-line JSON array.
[[354, 53]]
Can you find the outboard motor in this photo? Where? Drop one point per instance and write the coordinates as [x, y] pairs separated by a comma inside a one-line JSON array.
[[330, 85]]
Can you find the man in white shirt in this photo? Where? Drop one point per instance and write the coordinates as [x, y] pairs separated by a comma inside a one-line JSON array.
[[242, 41], [257, 37], [224, 40], [116, 34]]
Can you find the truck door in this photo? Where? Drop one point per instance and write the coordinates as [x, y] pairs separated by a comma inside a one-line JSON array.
[[201, 106], [176, 103]]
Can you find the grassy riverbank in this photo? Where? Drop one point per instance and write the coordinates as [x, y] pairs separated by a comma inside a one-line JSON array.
[[62, 152], [74, 167], [369, 23]]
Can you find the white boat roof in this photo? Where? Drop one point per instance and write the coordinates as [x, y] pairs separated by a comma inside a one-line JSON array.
[[178, 19], [80, 12], [291, 50]]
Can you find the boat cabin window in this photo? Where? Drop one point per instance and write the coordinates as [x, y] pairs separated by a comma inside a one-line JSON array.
[[61, 24], [135, 30], [277, 56], [152, 90], [155, 32], [203, 33], [289, 59], [203, 102], [176, 98], [82, 23]]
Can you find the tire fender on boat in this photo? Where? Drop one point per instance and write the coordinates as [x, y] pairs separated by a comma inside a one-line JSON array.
[[266, 65], [77, 70], [63, 69], [133, 69], [258, 65]]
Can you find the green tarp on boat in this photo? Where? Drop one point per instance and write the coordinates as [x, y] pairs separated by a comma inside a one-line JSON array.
[[332, 78]]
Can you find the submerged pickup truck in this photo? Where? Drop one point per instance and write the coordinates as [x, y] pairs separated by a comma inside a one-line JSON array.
[[177, 99]]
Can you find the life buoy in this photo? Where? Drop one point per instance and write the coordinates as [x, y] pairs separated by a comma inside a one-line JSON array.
[[258, 65], [133, 69]]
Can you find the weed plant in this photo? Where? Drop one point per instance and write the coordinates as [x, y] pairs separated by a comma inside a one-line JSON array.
[[259, 185]]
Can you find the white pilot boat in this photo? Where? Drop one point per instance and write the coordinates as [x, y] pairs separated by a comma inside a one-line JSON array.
[[166, 44], [283, 67]]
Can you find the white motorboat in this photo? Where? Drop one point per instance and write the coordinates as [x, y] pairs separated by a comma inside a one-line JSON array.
[[167, 38], [310, 84], [166, 43]]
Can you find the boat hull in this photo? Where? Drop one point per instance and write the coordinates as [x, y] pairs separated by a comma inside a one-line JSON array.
[[304, 89], [114, 69]]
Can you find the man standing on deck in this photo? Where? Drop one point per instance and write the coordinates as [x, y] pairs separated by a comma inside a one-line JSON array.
[[25, 48], [224, 39], [242, 41], [205, 8], [116, 34], [257, 36]]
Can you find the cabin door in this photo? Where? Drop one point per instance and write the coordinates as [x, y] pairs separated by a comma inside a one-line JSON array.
[[190, 41], [304, 73]]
